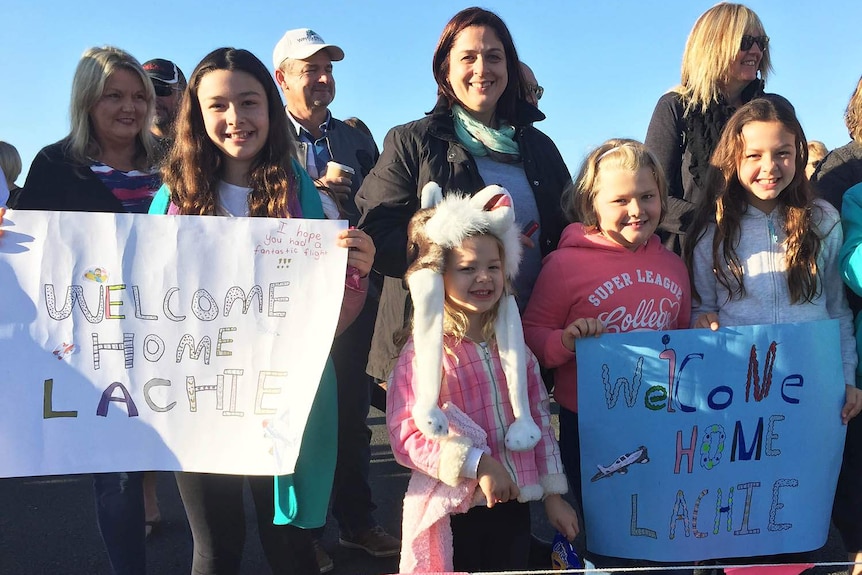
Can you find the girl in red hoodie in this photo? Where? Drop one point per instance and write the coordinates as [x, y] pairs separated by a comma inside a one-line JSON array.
[[610, 273]]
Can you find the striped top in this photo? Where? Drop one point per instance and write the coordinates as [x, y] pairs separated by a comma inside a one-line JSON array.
[[135, 189]]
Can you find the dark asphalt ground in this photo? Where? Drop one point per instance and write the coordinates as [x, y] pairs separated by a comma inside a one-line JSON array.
[[47, 526]]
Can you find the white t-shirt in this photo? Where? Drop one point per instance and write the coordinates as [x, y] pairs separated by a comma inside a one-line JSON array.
[[232, 200]]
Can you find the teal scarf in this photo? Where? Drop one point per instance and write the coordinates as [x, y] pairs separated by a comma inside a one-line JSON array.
[[480, 140]]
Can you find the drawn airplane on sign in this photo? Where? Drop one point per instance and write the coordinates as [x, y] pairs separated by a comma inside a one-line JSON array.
[[622, 463]]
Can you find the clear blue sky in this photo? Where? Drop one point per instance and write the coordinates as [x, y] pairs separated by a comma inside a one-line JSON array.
[[603, 63]]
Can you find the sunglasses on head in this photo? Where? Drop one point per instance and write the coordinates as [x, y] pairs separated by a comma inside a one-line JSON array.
[[162, 89], [536, 89], [748, 41]]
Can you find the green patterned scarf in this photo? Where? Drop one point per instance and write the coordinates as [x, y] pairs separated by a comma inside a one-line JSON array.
[[480, 140]]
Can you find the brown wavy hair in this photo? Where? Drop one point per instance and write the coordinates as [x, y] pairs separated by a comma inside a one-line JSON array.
[[474, 16], [726, 203], [853, 114], [194, 165]]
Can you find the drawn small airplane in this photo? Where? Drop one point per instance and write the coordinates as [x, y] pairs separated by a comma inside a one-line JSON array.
[[63, 350], [622, 463]]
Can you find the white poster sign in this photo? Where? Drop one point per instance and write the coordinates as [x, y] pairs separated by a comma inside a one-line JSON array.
[[133, 342]]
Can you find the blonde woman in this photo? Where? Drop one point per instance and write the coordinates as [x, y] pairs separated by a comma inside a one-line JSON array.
[[725, 64], [105, 164]]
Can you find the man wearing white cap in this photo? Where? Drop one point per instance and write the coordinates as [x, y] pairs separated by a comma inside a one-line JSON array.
[[303, 69]]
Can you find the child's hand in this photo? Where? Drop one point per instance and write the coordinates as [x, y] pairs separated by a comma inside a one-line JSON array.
[[2, 213], [361, 249], [495, 482], [582, 327], [852, 404], [708, 319], [562, 517]]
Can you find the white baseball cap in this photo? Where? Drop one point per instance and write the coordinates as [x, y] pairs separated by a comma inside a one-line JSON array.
[[302, 43]]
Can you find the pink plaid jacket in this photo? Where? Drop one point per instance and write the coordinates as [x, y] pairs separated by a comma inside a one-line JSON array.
[[474, 381]]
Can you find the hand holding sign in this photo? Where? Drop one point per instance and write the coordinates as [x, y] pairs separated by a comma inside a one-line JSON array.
[[581, 327], [361, 249]]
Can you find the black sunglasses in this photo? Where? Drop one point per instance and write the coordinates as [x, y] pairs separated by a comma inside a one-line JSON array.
[[162, 90], [536, 89], [748, 41]]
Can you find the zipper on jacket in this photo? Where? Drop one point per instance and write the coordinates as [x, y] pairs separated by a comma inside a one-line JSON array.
[[771, 225], [504, 453], [773, 271]]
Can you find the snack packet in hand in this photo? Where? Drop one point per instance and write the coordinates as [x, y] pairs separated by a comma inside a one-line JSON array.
[[563, 554]]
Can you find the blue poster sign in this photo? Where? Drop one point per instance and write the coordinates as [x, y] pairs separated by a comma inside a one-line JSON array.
[[699, 444]]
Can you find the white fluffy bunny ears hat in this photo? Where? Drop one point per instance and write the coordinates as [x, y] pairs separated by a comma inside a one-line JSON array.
[[444, 223]]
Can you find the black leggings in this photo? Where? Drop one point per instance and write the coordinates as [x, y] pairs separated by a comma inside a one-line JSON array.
[[496, 539], [216, 516]]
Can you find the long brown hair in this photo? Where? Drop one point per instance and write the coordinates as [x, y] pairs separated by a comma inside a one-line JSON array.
[[726, 203], [479, 17], [194, 165]]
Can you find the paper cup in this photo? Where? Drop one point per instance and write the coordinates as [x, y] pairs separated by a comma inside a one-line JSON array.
[[336, 170]]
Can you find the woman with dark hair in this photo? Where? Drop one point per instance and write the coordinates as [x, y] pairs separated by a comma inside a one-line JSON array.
[[725, 64], [480, 131], [232, 157]]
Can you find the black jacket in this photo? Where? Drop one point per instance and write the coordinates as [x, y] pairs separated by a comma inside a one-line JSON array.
[[680, 152], [54, 182], [428, 150], [839, 171]]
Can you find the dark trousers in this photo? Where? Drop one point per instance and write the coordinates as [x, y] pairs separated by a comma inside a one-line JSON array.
[[570, 453], [352, 505], [120, 517], [496, 539], [847, 509], [214, 508]]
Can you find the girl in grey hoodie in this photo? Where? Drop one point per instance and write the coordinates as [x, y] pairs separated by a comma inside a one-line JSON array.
[[763, 250]]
